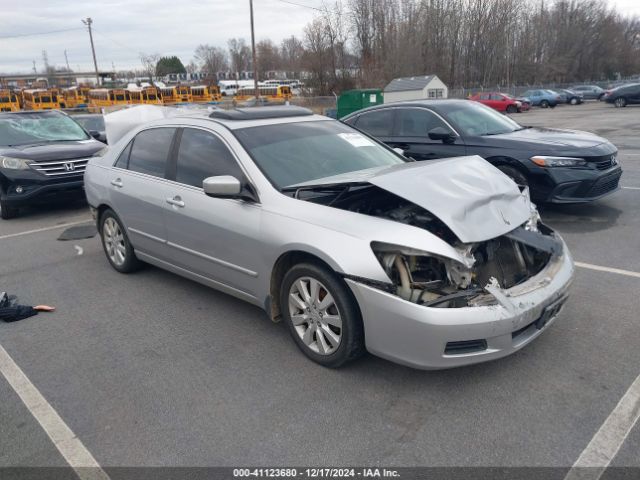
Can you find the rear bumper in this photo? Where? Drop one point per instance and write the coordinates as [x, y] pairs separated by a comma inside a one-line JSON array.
[[428, 338]]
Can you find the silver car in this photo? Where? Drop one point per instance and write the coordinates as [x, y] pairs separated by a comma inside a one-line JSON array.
[[429, 264]]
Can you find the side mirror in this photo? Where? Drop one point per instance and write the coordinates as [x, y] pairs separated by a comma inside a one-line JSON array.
[[227, 186], [440, 133], [224, 186]]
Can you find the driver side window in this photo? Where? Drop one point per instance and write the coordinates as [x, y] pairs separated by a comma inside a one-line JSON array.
[[201, 155], [417, 122]]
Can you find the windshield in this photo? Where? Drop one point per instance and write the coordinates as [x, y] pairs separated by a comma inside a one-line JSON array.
[[25, 129], [293, 153], [91, 123], [474, 119]]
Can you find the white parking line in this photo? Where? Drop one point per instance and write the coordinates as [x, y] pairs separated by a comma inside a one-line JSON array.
[[631, 188], [44, 229], [67, 443], [604, 446], [619, 271]]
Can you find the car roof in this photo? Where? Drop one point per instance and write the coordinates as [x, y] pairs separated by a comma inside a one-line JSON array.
[[436, 105]]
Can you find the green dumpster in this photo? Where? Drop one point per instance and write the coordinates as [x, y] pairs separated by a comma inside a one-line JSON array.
[[354, 100]]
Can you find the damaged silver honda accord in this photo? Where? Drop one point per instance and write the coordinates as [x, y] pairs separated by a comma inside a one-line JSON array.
[[354, 247]]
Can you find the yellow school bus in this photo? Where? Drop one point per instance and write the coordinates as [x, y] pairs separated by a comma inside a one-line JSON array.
[[205, 94], [40, 99], [72, 98], [9, 101], [281, 93], [168, 95], [103, 97], [146, 95]]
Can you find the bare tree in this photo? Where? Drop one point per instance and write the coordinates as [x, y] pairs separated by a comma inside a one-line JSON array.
[[211, 60], [240, 55], [149, 62]]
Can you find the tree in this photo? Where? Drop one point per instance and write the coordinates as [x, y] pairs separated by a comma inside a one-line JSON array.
[[240, 55], [211, 60], [268, 57], [167, 65], [149, 62]]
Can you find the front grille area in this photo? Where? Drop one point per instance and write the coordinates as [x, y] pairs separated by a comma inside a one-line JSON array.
[[467, 346], [604, 165], [61, 167], [604, 185]]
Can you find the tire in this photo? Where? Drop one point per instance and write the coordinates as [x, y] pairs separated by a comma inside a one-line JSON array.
[[115, 243], [620, 102], [544, 104], [514, 174], [344, 337], [600, 97], [6, 212], [512, 109], [573, 101]]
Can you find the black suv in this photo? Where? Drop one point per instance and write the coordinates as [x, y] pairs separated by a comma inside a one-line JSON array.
[[559, 166], [43, 155]]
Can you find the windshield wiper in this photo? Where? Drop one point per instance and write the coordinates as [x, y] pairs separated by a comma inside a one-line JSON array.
[[339, 188]]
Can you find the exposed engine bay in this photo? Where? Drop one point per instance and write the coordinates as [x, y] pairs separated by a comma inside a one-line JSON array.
[[433, 281]]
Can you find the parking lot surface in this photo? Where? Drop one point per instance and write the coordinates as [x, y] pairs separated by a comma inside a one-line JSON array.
[[151, 369]]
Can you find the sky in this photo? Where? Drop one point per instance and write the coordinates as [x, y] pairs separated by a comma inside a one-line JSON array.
[[124, 29]]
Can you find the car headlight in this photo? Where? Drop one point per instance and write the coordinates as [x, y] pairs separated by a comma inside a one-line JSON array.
[[14, 163], [544, 161]]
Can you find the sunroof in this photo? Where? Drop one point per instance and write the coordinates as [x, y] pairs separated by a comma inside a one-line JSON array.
[[259, 113]]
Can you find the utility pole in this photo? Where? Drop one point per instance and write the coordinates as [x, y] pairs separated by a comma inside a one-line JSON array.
[[88, 23], [253, 48], [35, 71], [66, 59]]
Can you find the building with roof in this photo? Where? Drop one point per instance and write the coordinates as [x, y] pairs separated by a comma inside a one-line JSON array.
[[415, 88]]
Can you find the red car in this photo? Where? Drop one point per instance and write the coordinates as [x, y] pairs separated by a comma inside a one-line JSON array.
[[500, 101]]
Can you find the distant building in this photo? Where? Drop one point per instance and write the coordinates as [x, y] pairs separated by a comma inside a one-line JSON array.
[[415, 88]]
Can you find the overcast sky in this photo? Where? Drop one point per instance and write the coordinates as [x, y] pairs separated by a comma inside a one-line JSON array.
[[124, 28]]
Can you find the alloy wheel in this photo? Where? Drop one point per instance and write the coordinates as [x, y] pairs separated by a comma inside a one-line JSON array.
[[114, 241], [315, 315]]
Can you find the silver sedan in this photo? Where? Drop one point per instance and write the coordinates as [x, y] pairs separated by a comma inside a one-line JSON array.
[[430, 264]]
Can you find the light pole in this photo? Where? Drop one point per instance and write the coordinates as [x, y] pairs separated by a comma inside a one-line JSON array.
[[253, 48], [88, 23]]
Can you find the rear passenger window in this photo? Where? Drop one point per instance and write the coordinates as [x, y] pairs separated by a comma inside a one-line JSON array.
[[150, 151], [377, 124], [123, 158], [201, 155]]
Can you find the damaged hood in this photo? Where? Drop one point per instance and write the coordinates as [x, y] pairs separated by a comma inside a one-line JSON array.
[[472, 197]]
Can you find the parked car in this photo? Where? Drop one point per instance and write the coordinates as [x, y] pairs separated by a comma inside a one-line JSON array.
[[542, 98], [525, 103], [498, 101], [589, 92], [92, 123], [572, 98], [43, 155], [623, 95], [432, 265], [562, 97], [559, 166]]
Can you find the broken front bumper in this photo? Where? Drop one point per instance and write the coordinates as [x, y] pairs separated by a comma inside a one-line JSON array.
[[434, 338]]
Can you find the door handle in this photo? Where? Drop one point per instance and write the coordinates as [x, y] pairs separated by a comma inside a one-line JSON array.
[[117, 183], [176, 201]]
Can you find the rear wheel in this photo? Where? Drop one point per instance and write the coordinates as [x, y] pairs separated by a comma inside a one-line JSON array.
[[512, 109], [514, 174], [116, 243], [573, 101], [322, 315], [7, 212], [544, 104], [620, 102]]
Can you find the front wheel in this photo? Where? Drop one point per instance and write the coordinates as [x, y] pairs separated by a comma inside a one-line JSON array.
[[322, 315], [544, 104], [514, 174], [116, 243], [621, 102], [574, 101], [512, 109]]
